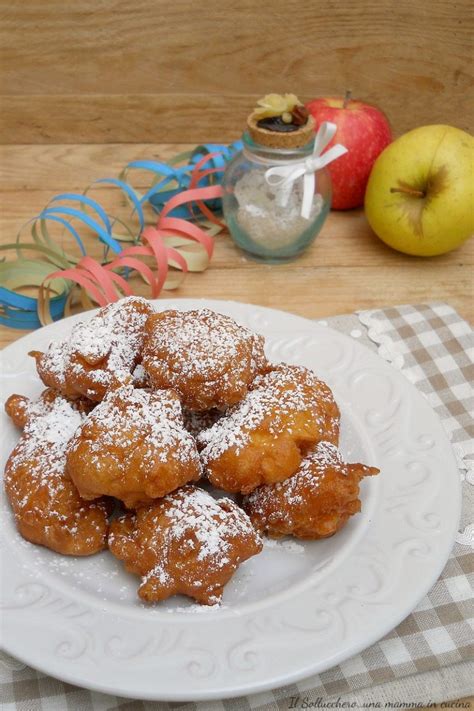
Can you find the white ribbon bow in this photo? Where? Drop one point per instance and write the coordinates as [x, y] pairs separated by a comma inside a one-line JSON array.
[[283, 177]]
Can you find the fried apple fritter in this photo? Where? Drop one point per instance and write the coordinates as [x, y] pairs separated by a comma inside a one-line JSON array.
[[186, 543], [196, 421], [134, 447], [262, 439], [206, 357], [314, 503], [47, 507], [99, 354], [19, 407], [16, 408]]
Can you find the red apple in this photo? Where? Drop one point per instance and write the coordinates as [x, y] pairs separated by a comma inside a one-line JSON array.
[[365, 131]]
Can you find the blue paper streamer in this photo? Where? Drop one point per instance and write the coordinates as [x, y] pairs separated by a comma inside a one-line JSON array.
[[19, 311]]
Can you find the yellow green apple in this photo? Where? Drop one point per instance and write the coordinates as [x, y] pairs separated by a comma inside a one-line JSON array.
[[419, 197]]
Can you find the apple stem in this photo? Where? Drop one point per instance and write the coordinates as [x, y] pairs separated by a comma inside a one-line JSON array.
[[347, 98], [409, 191]]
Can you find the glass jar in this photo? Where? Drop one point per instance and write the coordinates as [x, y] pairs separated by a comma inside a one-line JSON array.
[[259, 223]]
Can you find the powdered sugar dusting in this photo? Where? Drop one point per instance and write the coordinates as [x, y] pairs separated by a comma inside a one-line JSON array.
[[101, 350], [283, 545], [277, 394], [54, 361], [206, 530], [214, 523], [206, 356], [316, 501], [185, 543], [310, 472], [35, 482], [195, 609], [140, 377], [129, 415], [202, 341], [50, 426], [197, 421]]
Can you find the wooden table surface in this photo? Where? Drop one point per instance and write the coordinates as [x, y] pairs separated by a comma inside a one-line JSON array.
[[347, 268]]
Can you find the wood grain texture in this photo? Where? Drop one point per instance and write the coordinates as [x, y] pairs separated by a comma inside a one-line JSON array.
[[347, 268], [106, 71], [318, 292], [346, 239], [32, 174], [28, 167]]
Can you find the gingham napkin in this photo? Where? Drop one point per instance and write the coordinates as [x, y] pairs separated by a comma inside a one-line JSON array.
[[434, 348]]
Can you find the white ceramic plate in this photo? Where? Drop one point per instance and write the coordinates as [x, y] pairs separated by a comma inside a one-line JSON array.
[[293, 610]]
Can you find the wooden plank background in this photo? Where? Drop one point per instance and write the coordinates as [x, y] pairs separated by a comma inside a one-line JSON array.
[[104, 71], [147, 74], [346, 268]]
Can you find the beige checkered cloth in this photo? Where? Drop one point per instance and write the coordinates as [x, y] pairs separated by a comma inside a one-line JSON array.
[[434, 348]]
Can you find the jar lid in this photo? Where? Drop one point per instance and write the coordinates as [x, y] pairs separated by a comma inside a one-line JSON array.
[[275, 156], [274, 139]]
